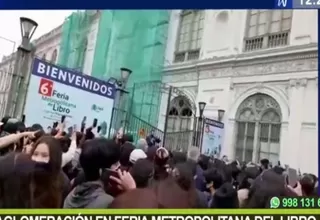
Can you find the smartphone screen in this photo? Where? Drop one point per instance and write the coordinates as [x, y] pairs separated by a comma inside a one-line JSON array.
[[55, 124], [23, 119], [63, 117], [83, 124], [293, 177], [84, 120], [70, 131], [95, 122]]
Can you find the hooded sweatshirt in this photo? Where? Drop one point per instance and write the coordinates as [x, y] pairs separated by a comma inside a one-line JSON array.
[[88, 195]]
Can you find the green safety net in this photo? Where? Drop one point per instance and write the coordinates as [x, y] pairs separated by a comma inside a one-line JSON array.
[[74, 40], [135, 39]]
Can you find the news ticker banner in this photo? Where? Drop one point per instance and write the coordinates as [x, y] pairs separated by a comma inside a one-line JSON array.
[[297, 4], [160, 214], [294, 202]]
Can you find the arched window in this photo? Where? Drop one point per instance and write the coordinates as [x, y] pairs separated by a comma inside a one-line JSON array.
[[258, 129], [179, 115], [189, 38], [44, 56], [179, 127], [54, 56]]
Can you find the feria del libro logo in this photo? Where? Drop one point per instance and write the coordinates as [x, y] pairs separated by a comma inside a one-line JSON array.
[[58, 100]]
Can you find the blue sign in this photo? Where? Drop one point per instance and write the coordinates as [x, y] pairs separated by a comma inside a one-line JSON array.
[[72, 78], [55, 91]]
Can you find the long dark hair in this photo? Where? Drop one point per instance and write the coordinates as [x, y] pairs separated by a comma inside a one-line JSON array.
[[16, 174], [48, 179]]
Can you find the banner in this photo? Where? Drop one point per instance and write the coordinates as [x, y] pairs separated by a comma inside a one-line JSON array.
[[55, 91], [160, 214], [212, 137]]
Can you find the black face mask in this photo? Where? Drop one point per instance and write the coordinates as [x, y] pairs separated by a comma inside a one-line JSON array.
[[42, 167]]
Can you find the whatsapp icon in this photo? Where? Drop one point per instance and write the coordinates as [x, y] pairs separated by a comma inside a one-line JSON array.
[[274, 202]]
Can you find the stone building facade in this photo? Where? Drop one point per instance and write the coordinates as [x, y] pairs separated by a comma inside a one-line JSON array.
[[261, 67]]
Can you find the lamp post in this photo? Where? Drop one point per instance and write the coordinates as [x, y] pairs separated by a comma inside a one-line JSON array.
[[125, 73], [220, 114], [20, 78], [201, 106], [120, 100]]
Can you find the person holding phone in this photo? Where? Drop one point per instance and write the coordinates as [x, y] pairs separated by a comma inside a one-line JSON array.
[[67, 156], [97, 154]]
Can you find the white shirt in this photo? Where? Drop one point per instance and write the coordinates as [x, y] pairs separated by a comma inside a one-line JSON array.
[[68, 156]]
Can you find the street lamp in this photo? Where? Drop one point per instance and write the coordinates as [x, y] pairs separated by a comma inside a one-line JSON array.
[[220, 114], [19, 83], [125, 73], [122, 82], [28, 27], [202, 106], [120, 112]]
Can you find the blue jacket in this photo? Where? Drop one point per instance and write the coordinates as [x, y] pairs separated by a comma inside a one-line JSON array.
[[200, 181]]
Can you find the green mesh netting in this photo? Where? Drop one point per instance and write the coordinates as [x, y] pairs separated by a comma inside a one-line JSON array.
[[134, 39], [74, 40]]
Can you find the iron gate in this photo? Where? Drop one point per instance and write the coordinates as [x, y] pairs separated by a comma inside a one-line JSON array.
[[165, 109]]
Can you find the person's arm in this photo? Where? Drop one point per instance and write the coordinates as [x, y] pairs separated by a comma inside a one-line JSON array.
[[67, 157], [12, 138], [75, 159]]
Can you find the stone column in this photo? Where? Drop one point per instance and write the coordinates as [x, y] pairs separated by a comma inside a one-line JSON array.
[[255, 143], [291, 154], [284, 144], [230, 127], [228, 147]]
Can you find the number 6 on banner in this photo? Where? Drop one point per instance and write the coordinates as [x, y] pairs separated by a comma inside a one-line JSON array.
[[45, 87]]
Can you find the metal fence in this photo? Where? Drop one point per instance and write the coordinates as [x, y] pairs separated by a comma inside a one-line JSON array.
[[132, 124], [5, 80], [14, 81], [138, 128]]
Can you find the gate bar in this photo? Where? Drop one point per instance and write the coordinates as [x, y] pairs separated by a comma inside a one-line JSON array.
[[167, 116]]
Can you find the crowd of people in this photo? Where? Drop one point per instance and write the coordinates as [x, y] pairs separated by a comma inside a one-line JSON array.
[[41, 169]]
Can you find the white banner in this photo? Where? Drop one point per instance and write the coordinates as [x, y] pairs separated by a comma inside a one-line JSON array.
[[212, 138], [55, 91]]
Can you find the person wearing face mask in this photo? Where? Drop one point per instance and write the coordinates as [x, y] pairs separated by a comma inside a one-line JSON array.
[[48, 177]]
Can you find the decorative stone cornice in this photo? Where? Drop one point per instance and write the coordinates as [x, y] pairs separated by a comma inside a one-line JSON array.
[[247, 70], [251, 58], [297, 83], [309, 125], [286, 64]]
